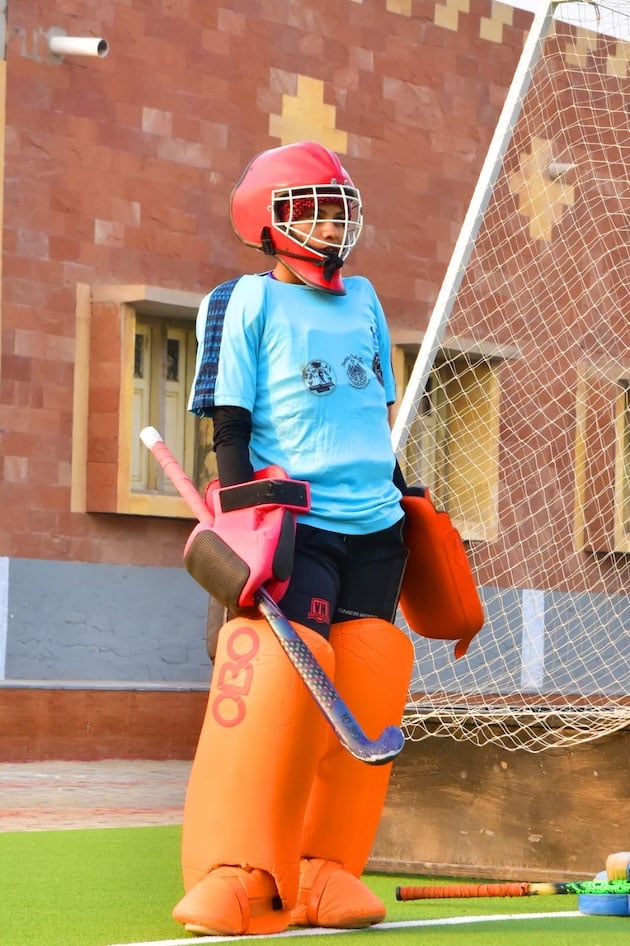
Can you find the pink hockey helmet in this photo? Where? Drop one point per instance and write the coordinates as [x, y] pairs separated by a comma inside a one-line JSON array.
[[288, 184]]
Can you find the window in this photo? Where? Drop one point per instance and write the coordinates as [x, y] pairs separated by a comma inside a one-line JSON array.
[[163, 371], [453, 444], [141, 367], [602, 517]]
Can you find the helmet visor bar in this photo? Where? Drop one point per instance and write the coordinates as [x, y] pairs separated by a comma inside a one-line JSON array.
[[322, 217]]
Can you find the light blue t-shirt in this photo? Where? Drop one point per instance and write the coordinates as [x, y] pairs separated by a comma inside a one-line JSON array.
[[314, 370]]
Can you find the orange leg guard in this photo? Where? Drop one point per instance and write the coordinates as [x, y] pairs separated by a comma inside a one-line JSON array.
[[373, 664], [258, 750]]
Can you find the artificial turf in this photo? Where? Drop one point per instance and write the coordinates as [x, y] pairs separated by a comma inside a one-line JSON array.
[[105, 886]]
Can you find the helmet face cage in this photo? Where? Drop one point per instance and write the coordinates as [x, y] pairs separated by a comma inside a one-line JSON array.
[[304, 205]]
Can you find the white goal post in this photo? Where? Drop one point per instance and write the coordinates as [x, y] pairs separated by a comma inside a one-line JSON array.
[[517, 408]]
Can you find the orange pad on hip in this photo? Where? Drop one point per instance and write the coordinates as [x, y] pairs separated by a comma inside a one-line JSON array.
[[439, 598]]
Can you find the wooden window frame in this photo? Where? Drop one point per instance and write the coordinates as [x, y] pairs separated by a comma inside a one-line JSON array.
[[102, 432]]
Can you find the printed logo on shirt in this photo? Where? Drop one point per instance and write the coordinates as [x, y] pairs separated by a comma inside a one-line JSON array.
[[319, 611], [355, 370], [319, 377], [377, 368]]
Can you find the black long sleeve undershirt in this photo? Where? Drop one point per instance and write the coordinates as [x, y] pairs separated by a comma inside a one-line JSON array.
[[232, 433]]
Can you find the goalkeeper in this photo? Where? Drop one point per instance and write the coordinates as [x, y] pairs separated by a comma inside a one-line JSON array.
[[294, 369]]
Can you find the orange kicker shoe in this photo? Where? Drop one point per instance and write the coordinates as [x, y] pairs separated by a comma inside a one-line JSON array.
[[331, 896], [231, 901]]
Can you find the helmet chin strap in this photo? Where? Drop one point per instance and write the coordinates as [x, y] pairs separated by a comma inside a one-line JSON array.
[[330, 264]]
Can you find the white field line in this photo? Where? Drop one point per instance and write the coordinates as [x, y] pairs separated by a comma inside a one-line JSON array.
[[319, 931]]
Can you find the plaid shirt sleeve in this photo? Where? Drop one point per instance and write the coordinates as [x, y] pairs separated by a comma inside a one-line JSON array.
[[202, 395]]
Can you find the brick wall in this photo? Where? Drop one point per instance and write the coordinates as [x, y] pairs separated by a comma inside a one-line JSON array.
[[118, 170]]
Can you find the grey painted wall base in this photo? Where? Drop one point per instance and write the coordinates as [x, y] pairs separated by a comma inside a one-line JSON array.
[[65, 621]]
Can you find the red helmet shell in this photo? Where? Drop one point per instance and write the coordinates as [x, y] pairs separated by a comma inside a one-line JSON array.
[[300, 172]]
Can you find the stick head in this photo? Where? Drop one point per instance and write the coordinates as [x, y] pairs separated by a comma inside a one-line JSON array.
[[379, 751]]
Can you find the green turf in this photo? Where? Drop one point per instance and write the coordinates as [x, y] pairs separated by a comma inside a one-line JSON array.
[[89, 887], [105, 886]]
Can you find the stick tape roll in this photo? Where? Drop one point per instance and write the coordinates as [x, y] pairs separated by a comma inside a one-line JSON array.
[[618, 866]]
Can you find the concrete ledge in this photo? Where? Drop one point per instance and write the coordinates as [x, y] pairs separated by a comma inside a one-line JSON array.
[[457, 809], [452, 808]]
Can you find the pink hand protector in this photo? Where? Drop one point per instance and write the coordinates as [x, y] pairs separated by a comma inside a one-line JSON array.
[[250, 543]]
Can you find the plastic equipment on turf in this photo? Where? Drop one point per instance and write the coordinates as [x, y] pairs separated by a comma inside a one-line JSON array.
[[609, 904], [373, 751]]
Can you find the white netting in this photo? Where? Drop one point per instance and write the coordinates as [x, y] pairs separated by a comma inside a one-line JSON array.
[[523, 426]]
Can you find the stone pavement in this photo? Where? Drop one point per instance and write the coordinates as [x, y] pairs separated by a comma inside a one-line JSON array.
[[39, 796]]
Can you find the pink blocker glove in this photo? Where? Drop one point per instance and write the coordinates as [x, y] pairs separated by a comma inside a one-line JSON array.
[[251, 541]]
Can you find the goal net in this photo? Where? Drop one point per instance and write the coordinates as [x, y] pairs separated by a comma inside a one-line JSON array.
[[516, 412]]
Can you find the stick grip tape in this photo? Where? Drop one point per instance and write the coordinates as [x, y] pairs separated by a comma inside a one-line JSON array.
[[459, 891], [519, 889], [172, 468]]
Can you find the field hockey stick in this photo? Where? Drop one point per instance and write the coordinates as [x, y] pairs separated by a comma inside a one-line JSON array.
[[350, 734], [517, 889]]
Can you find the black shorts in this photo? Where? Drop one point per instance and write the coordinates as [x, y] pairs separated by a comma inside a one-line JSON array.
[[339, 577]]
